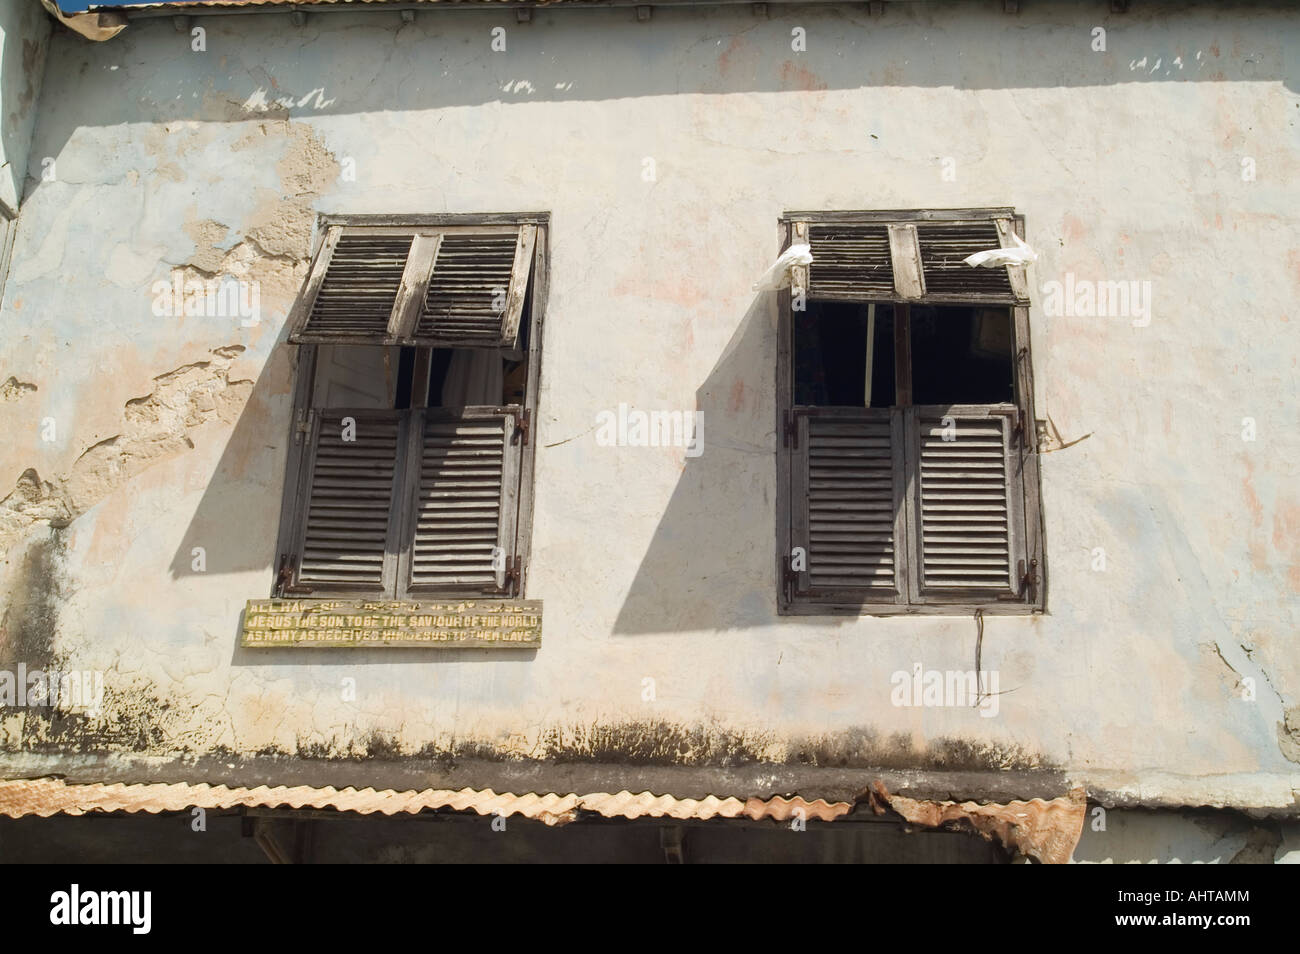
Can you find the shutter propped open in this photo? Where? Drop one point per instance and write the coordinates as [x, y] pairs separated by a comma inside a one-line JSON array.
[[437, 287], [944, 248], [476, 294], [851, 262], [352, 288], [920, 259]]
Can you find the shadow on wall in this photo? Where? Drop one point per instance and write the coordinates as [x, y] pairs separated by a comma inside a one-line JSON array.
[[718, 529], [236, 522], [24, 40], [592, 55], [718, 533], [246, 487]]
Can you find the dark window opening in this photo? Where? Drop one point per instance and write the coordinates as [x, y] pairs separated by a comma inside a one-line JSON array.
[[908, 477], [468, 377], [959, 355], [962, 355], [461, 377], [438, 366], [405, 375], [831, 355]]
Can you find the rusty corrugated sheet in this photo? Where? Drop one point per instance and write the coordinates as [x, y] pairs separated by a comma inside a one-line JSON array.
[[782, 809], [1045, 830], [52, 796]]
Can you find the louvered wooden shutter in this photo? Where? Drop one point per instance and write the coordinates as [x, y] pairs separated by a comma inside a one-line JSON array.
[[945, 246], [449, 287], [476, 293], [851, 262], [918, 261], [353, 287], [346, 530], [847, 504], [967, 502], [462, 501]]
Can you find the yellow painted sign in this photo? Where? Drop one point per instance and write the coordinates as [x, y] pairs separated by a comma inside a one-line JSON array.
[[489, 624]]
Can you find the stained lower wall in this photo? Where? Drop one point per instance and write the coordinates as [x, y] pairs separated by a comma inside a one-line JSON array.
[[1162, 670]]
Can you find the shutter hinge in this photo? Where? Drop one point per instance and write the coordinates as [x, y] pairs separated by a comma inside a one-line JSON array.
[[523, 422], [790, 432], [1021, 356], [1018, 428], [514, 569], [1028, 579], [303, 424], [284, 584], [791, 580]]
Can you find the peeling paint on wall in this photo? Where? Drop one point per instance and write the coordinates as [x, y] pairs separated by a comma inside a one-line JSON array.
[[15, 390], [1288, 734], [155, 427]]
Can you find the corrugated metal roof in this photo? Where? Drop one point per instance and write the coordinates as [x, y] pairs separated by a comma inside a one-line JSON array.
[[52, 796], [1046, 830]]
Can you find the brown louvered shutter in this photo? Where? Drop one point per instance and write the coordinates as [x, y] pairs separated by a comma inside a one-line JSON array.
[[346, 532], [919, 261], [944, 248], [448, 287], [353, 286], [848, 502], [967, 503], [476, 293], [851, 262], [461, 501]]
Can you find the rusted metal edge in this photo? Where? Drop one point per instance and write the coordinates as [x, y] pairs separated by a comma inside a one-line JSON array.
[[44, 797], [1046, 831], [98, 24]]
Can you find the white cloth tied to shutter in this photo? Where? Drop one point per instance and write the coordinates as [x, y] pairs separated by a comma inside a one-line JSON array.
[[778, 276], [1022, 254]]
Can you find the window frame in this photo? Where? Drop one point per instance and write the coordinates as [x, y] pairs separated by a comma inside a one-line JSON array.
[[791, 604], [303, 365]]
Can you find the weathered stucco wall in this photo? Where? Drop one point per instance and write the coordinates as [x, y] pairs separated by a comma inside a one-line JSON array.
[[1129, 164], [24, 36]]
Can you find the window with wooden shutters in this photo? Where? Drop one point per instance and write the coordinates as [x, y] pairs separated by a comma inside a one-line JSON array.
[[424, 487], [437, 287], [907, 462]]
